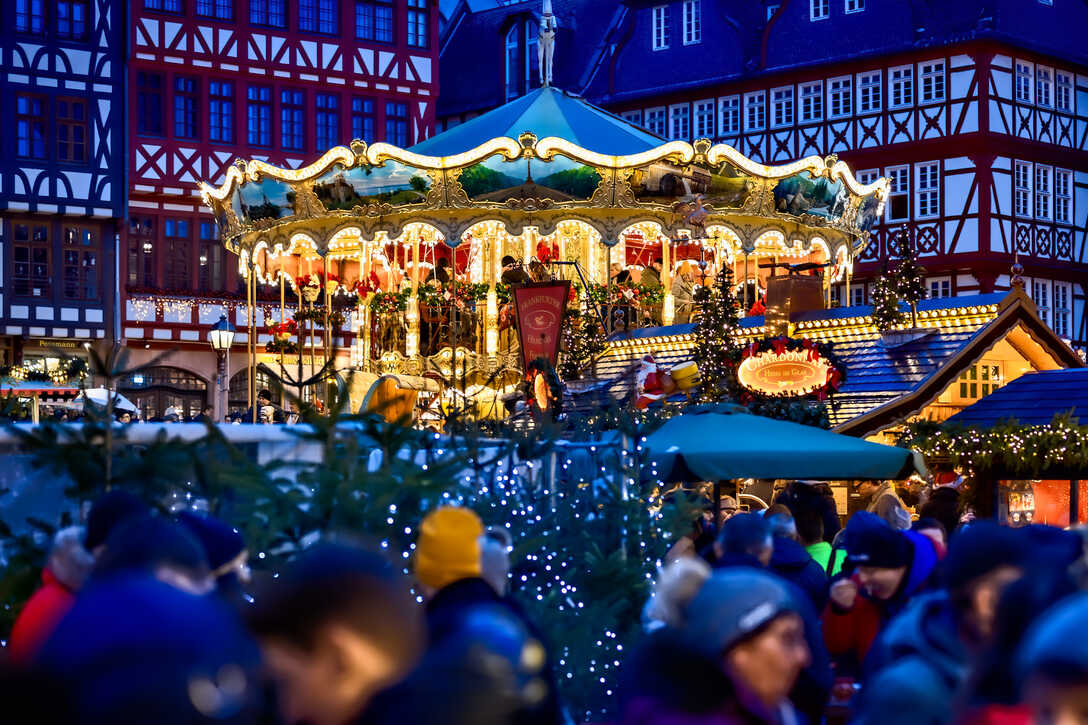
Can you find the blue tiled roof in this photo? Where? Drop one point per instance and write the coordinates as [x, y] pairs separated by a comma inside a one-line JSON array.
[[545, 112], [1033, 398]]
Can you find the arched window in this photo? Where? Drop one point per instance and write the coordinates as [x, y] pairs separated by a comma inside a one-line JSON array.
[[522, 64], [238, 390], [155, 389]]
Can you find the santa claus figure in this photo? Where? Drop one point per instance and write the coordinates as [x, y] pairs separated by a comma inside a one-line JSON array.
[[652, 383]]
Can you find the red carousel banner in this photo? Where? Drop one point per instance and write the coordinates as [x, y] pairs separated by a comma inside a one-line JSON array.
[[539, 308]]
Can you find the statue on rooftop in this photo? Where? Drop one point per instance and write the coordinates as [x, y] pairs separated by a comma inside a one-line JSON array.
[[545, 47]]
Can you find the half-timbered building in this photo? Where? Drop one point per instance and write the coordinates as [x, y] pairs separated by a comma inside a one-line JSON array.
[[977, 111], [62, 191], [210, 81]]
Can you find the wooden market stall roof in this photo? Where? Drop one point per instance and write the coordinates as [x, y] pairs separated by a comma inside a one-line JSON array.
[[886, 381], [1031, 399]]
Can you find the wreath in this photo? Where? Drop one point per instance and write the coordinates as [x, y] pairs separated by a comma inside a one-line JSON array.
[[389, 303], [836, 373]]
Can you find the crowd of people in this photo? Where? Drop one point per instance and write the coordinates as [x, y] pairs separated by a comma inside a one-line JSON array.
[[781, 617]]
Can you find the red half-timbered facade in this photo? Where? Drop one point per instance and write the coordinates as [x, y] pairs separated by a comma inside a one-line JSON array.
[[211, 81], [978, 114]]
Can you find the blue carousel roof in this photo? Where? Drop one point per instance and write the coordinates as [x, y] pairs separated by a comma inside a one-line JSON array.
[[546, 112]]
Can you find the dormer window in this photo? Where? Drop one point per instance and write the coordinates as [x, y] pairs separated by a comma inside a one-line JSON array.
[[522, 64]]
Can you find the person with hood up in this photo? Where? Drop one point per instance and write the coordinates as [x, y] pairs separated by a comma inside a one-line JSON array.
[[744, 540], [448, 571], [68, 567], [793, 563], [805, 495], [888, 568], [922, 659], [883, 500], [733, 660], [1053, 664]]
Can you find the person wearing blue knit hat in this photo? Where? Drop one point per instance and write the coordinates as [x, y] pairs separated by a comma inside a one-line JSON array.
[[228, 557]]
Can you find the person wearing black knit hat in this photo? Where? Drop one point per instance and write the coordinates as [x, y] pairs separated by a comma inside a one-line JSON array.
[[922, 660], [887, 568]]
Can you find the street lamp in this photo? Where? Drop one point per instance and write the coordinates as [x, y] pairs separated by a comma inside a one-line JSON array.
[[221, 337]]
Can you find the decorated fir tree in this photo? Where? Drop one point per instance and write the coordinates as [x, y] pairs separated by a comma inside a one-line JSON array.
[[716, 350], [582, 340], [910, 281], [886, 311]]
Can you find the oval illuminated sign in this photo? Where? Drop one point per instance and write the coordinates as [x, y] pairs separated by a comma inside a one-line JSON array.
[[786, 373]]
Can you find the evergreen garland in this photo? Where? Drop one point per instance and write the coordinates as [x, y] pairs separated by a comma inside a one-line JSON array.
[[716, 350], [582, 340], [886, 311], [910, 281]]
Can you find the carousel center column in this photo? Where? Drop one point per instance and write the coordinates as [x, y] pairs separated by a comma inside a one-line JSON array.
[[411, 343], [668, 304], [491, 321]]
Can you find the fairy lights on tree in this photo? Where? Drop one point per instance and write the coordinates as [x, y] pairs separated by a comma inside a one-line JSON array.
[[716, 350], [886, 311]]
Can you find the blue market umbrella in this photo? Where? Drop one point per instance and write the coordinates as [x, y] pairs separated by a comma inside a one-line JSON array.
[[719, 446]]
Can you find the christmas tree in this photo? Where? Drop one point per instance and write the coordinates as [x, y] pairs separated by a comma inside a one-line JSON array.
[[582, 340], [910, 281], [716, 350], [886, 312]]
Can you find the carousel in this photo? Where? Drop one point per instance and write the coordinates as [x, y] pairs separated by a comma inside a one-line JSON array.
[[399, 264]]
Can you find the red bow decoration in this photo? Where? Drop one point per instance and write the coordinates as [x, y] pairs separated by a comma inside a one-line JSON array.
[[779, 345], [834, 377]]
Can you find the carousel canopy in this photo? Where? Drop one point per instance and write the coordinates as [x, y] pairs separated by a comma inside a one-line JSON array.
[[545, 112]]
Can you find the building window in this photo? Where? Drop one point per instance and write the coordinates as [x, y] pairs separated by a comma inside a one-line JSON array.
[[30, 255], [755, 110], [869, 92], [218, 9], [902, 87], [632, 117], [80, 264], [30, 17], [1063, 91], [512, 56], [30, 126], [141, 251], [177, 258], [1042, 191], [210, 258], [71, 130], [1062, 309], [362, 119], [772, 9], [327, 125], [841, 98], [660, 27], [221, 111], [259, 115], [149, 103], [522, 62], [928, 190], [1024, 74], [374, 20], [396, 123], [812, 102], [317, 16], [166, 6], [704, 119], [655, 121], [857, 295], [72, 19], [899, 193], [782, 105], [1022, 188], [940, 287], [932, 81], [855, 6], [819, 9], [271, 13], [185, 104], [729, 110], [693, 22], [291, 120], [1063, 196], [868, 176], [979, 380], [1040, 291], [1042, 86], [418, 35], [680, 122]]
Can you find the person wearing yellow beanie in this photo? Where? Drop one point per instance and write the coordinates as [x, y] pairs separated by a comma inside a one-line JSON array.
[[448, 548]]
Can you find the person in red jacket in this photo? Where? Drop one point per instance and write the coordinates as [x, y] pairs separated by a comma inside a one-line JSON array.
[[68, 566], [888, 568]]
